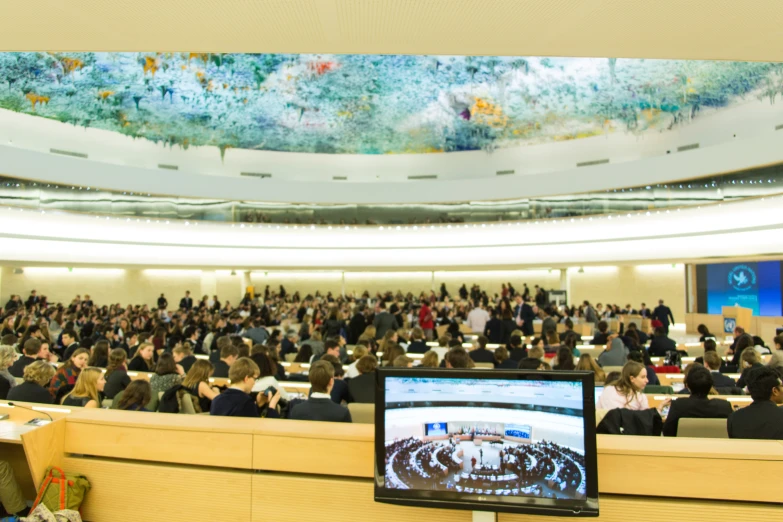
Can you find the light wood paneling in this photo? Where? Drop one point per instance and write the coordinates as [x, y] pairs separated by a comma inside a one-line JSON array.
[[44, 447], [322, 456], [296, 498], [131, 492]]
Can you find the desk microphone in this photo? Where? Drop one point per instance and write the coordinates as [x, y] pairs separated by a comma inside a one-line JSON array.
[[32, 410]]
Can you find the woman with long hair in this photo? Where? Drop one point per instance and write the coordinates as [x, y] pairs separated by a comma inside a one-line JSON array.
[[68, 372], [565, 359], [304, 354], [87, 392], [334, 323], [167, 374], [196, 381], [143, 360], [587, 363], [627, 392], [137, 395], [100, 355], [267, 375], [116, 373]]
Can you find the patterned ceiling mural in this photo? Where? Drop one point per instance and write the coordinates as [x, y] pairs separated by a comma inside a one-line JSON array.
[[366, 104]]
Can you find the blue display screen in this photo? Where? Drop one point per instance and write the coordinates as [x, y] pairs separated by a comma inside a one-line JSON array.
[[436, 428], [518, 431], [750, 285]]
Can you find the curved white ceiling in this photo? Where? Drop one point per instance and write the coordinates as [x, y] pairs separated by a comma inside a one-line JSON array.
[[696, 29], [746, 228], [734, 139]]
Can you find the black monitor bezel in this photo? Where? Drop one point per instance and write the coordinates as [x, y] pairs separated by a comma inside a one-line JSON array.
[[588, 507]]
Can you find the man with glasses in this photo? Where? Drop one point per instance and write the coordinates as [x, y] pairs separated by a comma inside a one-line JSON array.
[[763, 418]]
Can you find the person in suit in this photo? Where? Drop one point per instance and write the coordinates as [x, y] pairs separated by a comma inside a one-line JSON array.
[[319, 406], [418, 344], [644, 311], [37, 377], [749, 361], [236, 400], [712, 362], [339, 392], [69, 343], [569, 329], [186, 303], [525, 318], [30, 353], [518, 351], [503, 361], [763, 418], [384, 321], [362, 387], [12, 304], [480, 353], [494, 328], [228, 356], [643, 338], [663, 313], [331, 347], [357, 324], [600, 336], [163, 303], [698, 405], [660, 344], [32, 300]]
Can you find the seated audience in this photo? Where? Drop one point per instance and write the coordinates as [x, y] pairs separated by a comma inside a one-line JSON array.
[[517, 350], [601, 337], [266, 375], [7, 381], [457, 357], [418, 343], [698, 405], [136, 396], [66, 375], [531, 363], [704, 333], [660, 344], [587, 363], [339, 392], [569, 329], [480, 353], [229, 353], [503, 361], [319, 406], [36, 378], [640, 335], [642, 357], [763, 418], [362, 387], [749, 360], [196, 382], [236, 400], [167, 374], [713, 362], [99, 356], [431, 359], [183, 356], [30, 353], [403, 361], [68, 341], [332, 347], [87, 392], [565, 360], [615, 354], [116, 375], [627, 391], [359, 351], [144, 358], [304, 354]]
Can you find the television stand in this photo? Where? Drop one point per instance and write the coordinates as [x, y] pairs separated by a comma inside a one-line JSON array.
[[484, 516]]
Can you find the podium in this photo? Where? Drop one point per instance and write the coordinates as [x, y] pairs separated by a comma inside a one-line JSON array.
[[734, 316]]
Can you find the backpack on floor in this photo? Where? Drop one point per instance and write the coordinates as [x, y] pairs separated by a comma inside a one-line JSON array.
[[62, 490]]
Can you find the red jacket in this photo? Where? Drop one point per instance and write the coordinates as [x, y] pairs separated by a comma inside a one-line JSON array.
[[425, 318]]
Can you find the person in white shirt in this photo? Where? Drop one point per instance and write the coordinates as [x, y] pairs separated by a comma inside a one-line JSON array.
[[359, 351], [628, 391], [477, 318]]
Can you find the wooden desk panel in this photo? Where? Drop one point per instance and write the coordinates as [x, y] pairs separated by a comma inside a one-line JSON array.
[[130, 492]]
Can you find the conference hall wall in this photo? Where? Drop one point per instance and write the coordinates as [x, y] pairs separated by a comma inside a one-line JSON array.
[[616, 284]]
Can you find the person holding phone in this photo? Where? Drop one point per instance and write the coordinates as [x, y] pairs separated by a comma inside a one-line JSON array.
[[236, 400]]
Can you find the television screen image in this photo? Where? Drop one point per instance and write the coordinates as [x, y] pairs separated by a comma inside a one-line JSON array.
[[754, 285], [517, 444]]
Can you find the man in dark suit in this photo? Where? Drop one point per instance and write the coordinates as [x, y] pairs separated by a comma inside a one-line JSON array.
[[357, 324], [69, 344], [32, 300], [713, 362], [186, 302], [663, 313], [524, 316], [481, 354], [31, 351], [162, 302], [384, 321], [320, 407], [660, 344], [494, 328], [516, 351], [599, 339], [698, 405], [12, 303], [644, 311], [763, 418]]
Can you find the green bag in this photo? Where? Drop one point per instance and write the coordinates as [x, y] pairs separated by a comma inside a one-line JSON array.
[[66, 491]]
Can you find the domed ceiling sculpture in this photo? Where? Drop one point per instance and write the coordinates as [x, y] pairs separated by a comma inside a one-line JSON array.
[[369, 104]]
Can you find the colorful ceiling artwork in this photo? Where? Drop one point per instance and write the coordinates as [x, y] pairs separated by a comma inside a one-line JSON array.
[[366, 104]]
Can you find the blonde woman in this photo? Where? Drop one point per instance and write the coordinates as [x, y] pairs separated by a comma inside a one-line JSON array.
[[587, 363], [36, 377], [627, 392], [88, 389], [431, 359], [359, 351], [143, 360]]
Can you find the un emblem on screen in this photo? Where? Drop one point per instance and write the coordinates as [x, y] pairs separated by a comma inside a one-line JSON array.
[[742, 278]]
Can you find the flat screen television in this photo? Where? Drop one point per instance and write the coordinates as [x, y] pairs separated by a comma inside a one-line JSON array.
[[487, 440]]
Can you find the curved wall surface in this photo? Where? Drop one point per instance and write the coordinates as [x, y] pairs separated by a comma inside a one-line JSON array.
[[746, 228], [740, 137]]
